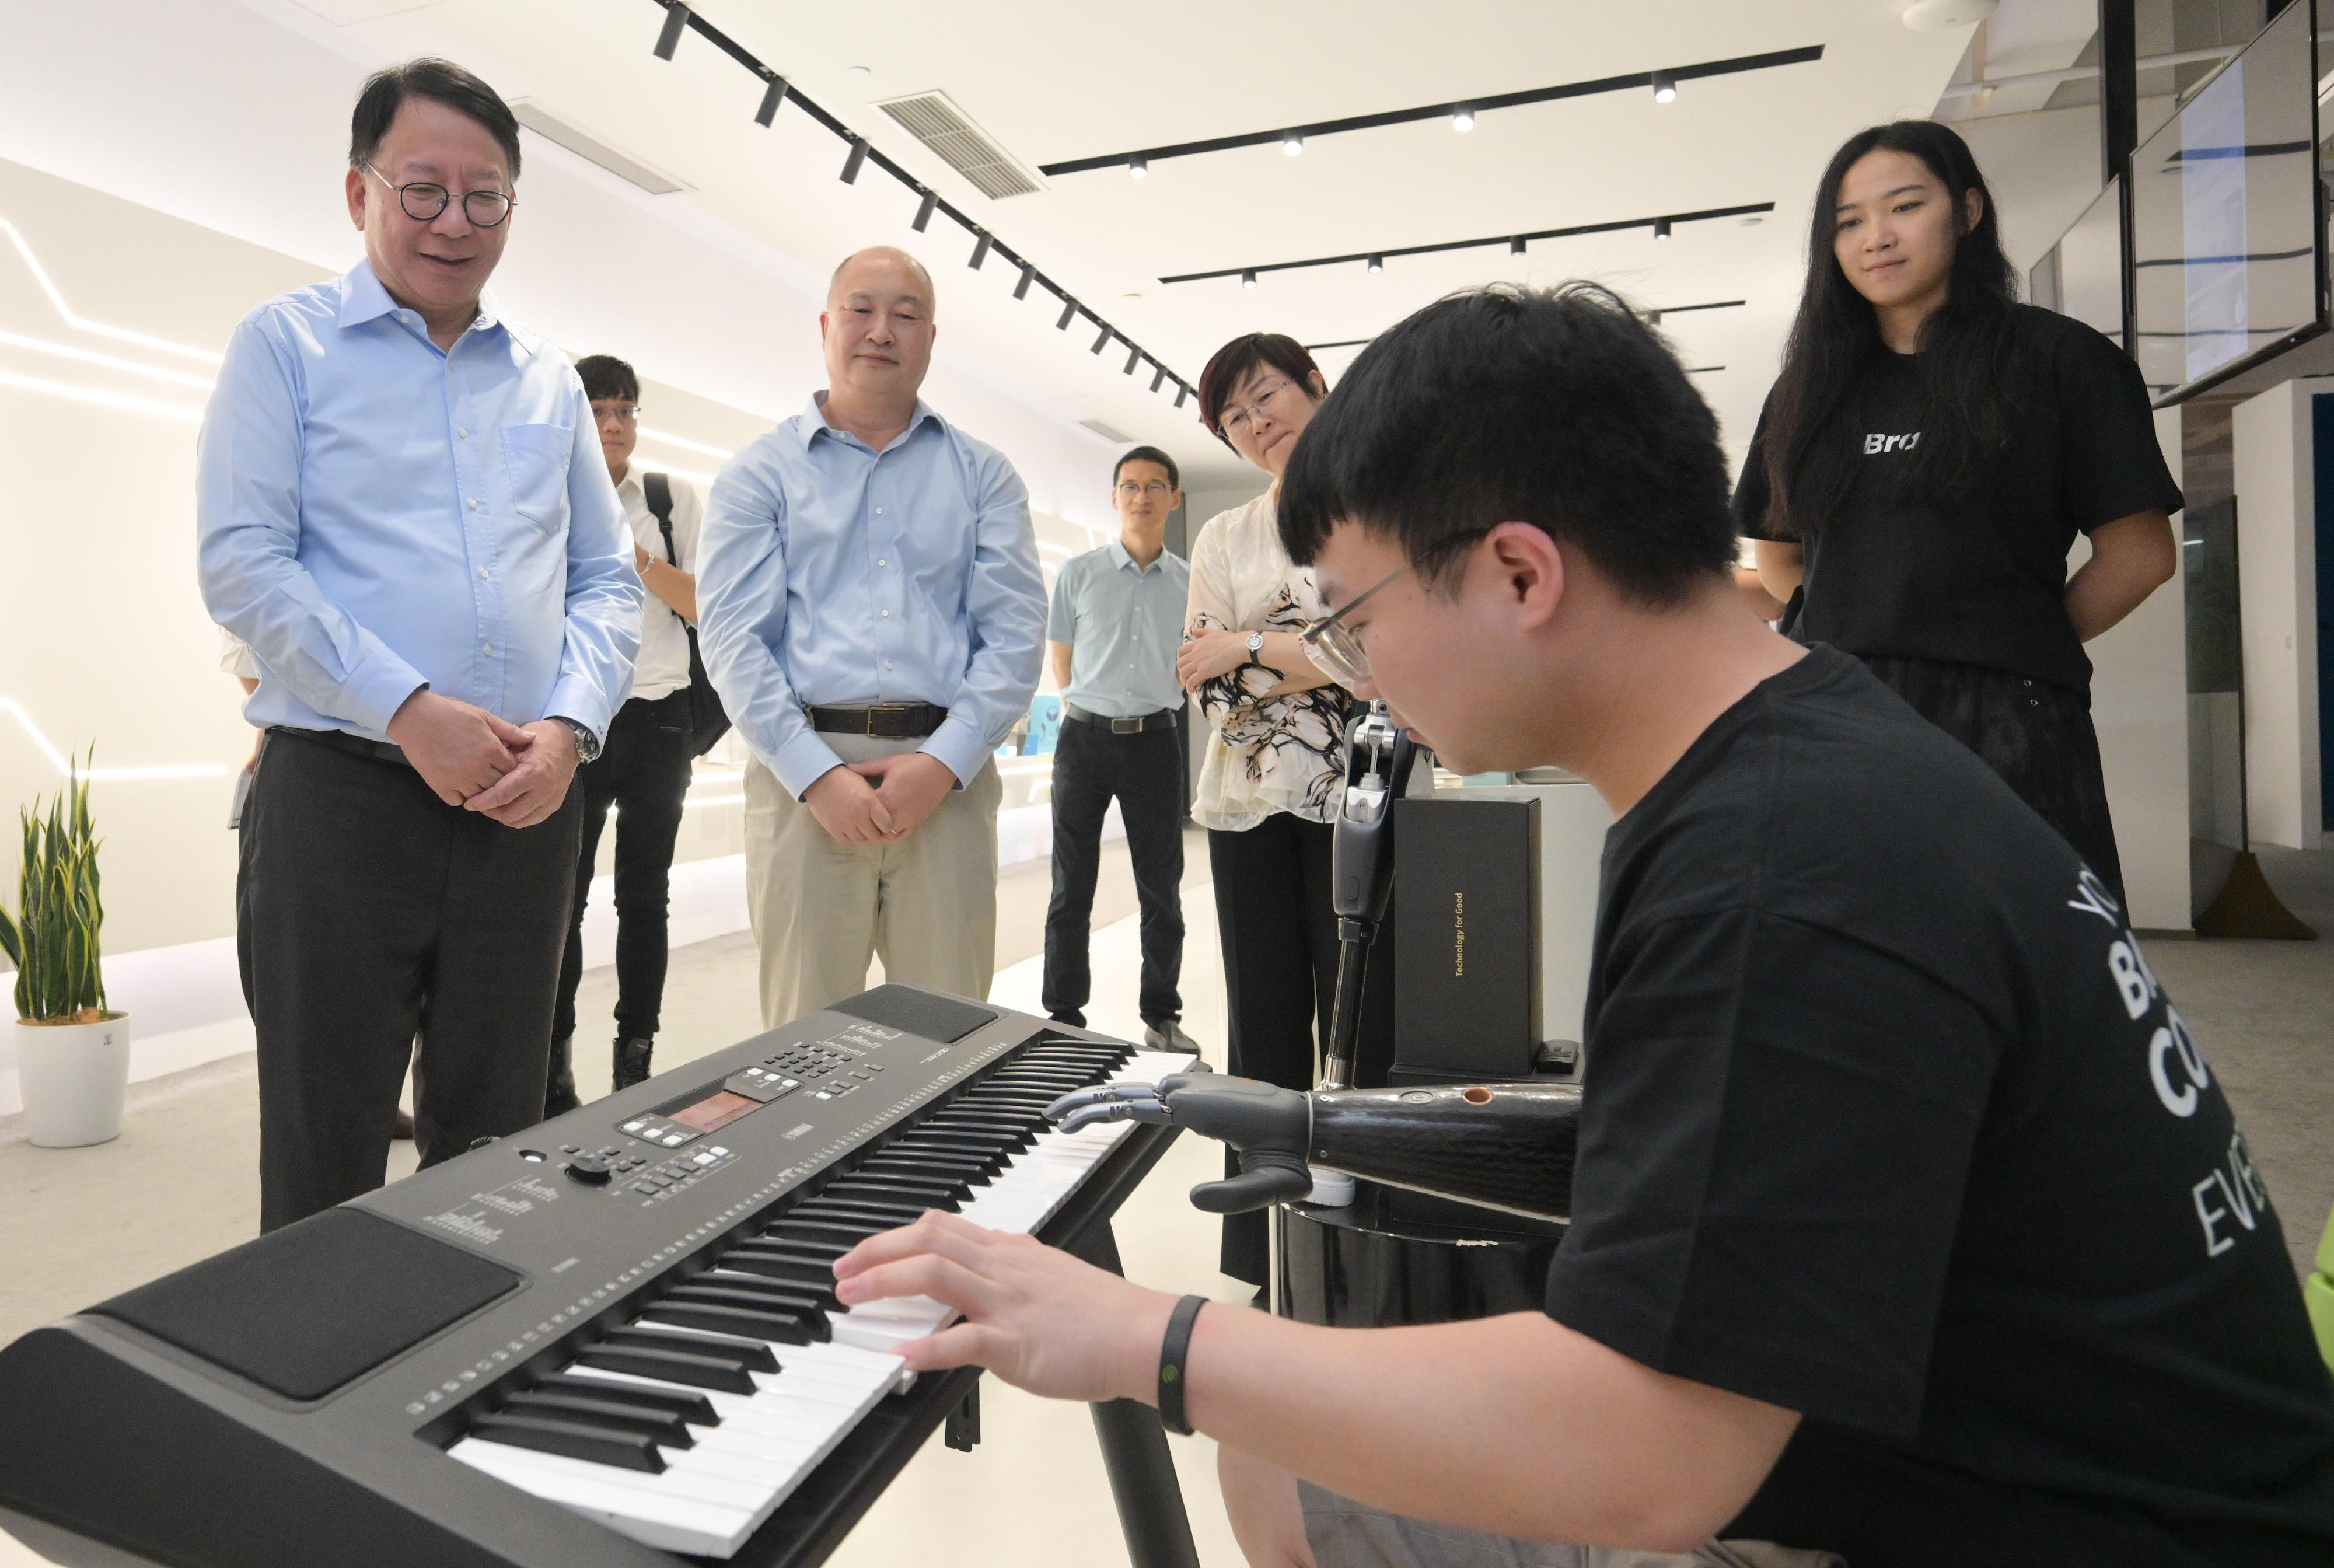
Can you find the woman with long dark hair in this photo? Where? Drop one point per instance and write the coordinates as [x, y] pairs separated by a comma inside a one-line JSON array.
[[1273, 761], [1926, 460]]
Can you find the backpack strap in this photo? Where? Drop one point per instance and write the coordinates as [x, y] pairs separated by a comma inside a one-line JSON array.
[[656, 489]]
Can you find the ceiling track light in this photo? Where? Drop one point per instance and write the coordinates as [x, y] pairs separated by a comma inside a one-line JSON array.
[[1247, 278], [1665, 87], [1138, 167], [1652, 318], [1462, 118], [1181, 391], [1377, 264], [1516, 246], [771, 99], [1661, 228], [681, 18], [1292, 145], [676, 23]]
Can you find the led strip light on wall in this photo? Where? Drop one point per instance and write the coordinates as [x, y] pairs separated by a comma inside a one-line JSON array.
[[63, 765]]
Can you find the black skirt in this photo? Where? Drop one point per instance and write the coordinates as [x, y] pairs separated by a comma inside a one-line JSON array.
[[2037, 735]]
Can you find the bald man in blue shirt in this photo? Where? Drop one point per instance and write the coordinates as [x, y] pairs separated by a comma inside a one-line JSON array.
[[403, 511], [869, 608]]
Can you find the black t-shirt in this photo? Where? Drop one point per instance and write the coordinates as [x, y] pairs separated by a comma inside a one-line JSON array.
[[1887, 1122], [1981, 579]]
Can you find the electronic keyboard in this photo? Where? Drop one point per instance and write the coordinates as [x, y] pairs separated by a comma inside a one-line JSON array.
[[605, 1340]]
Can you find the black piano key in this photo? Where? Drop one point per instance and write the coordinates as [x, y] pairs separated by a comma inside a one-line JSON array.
[[695, 1408], [594, 1411], [751, 1354], [850, 1231], [1012, 1135], [944, 1147], [777, 1261], [777, 1328], [893, 1214], [750, 1295], [600, 1445], [1026, 1113], [886, 1189], [780, 1295], [683, 1367], [930, 1169], [829, 1248]]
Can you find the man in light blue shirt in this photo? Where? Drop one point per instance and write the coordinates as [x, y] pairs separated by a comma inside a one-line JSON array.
[[1116, 623], [403, 511], [870, 609]]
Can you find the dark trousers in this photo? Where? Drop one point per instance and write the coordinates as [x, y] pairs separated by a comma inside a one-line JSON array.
[[2037, 736], [1280, 935], [642, 772], [1144, 773], [373, 918]]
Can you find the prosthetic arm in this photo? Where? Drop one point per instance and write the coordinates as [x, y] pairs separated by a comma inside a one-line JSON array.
[[1503, 1145], [1378, 759]]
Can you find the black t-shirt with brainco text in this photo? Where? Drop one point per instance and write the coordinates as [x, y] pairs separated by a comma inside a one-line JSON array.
[[1980, 578], [1889, 1122]]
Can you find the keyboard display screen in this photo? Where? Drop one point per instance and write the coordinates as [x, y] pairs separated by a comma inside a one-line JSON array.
[[715, 1110]]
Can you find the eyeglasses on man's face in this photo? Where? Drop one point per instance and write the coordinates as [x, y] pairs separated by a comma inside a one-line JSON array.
[[1238, 416], [1333, 643], [422, 201], [622, 413], [1157, 489]]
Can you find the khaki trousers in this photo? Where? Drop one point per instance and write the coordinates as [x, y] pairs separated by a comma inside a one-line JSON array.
[[1344, 1534], [926, 905]]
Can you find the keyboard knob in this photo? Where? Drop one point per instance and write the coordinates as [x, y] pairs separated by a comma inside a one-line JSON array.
[[590, 1169]]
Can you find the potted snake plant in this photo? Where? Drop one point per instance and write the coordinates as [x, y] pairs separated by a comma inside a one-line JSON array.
[[72, 1053]]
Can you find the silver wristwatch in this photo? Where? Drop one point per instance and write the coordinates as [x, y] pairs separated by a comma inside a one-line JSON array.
[[587, 744], [1255, 646]]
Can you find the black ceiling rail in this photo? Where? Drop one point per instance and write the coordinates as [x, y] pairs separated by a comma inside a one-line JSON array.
[[1510, 240], [863, 152], [1658, 311], [1624, 83]]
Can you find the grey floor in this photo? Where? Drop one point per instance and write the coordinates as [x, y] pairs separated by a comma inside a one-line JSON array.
[[79, 1225]]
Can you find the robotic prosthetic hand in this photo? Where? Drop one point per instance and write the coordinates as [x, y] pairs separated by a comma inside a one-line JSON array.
[[1503, 1145]]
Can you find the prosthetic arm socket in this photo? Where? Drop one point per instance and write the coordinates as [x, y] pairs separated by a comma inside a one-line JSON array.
[[1503, 1145]]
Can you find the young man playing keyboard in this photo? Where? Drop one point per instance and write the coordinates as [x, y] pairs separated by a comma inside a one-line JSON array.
[[1909, 1223]]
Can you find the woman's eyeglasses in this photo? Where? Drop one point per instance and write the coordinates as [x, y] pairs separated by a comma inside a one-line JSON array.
[[1236, 419]]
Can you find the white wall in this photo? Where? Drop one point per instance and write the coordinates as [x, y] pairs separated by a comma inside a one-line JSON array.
[[2139, 705], [2277, 586]]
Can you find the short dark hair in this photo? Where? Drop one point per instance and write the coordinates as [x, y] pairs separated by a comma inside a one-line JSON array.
[[1249, 351], [1147, 455], [606, 376], [1555, 407], [442, 81]]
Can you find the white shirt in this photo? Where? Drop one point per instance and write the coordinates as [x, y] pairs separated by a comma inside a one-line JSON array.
[[1285, 755], [661, 667]]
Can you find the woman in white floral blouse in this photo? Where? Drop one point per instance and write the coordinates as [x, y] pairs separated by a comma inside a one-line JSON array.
[[1275, 757]]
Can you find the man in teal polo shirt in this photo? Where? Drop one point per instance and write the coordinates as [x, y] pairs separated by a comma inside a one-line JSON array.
[[1117, 621]]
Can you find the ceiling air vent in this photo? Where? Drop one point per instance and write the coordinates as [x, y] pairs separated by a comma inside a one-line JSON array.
[[934, 120], [1107, 432], [592, 150]]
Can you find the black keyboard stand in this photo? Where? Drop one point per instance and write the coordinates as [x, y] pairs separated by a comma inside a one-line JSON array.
[[1134, 1451]]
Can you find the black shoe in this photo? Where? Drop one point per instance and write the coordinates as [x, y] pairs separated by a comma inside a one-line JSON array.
[[559, 1084], [1167, 1034], [633, 1060]]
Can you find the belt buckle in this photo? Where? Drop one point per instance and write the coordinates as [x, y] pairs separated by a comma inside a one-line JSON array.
[[1126, 726], [876, 707]]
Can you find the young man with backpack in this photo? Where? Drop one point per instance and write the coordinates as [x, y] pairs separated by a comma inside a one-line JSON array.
[[644, 770]]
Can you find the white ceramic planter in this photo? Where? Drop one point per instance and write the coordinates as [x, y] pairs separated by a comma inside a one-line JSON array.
[[74, 1077]]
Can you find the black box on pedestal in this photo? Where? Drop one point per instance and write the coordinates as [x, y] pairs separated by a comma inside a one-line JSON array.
[[1466, 891]]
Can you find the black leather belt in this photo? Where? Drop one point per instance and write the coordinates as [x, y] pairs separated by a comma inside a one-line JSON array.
[[341, 740], [1162, 719], [884, 722]]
